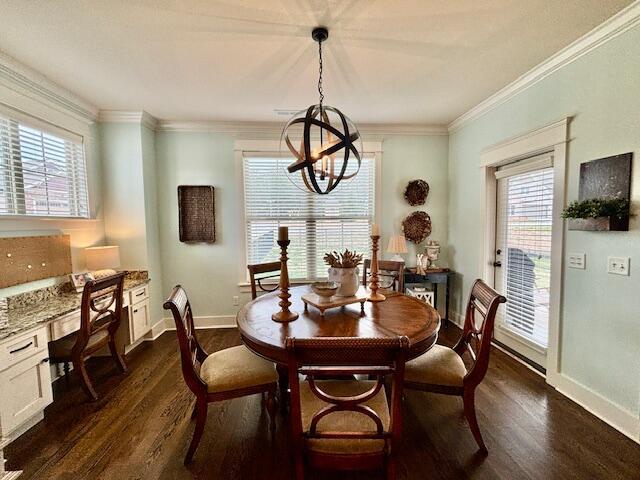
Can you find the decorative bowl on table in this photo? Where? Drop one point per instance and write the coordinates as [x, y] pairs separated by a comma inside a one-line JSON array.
[[325, 290]]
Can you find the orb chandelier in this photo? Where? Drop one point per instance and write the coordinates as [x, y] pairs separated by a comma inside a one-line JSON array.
[[325, 144]]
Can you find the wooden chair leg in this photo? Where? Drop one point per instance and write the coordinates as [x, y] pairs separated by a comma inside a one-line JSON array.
[[470, 414], [283, 383], [272, 408], [201, 419], [85, 382], [116, 356], [299, 466], [391, 467]]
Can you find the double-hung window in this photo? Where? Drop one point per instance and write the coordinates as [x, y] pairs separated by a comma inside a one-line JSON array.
[[317, 223], [42, 171]]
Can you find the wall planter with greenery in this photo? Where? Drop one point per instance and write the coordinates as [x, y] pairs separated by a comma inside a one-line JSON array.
[[598, 214]]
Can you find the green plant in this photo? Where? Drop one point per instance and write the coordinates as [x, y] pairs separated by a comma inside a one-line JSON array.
[[597, 207], [347, 259]]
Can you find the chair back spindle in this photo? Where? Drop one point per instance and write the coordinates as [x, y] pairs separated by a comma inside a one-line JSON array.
[[191, 352], [101, 309], [478, 329], [390, 274], [257, 276], [375, 357]]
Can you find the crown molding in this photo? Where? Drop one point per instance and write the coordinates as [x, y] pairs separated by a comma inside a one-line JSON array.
[[624, 20], [271, 129], [128, 116], [26, 81]]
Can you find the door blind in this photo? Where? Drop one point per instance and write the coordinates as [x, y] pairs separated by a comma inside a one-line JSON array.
[[525, 205], [317, 223], [41, 174]]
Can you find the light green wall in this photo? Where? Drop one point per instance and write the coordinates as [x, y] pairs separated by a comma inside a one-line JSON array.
[[123, 192], [600, 340], [154, 264], [211, 273], [410, 158], [131, 203]]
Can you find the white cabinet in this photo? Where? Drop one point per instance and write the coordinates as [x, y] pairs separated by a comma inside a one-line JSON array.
[[139, 321], [25, 379]]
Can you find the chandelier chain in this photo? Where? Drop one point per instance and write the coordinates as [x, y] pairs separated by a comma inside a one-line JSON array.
[[320, 91]]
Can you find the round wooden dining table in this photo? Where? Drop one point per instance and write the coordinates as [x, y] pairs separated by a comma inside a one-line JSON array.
[[398, 315]]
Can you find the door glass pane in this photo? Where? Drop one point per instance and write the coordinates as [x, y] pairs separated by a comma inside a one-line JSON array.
[[525, 204]]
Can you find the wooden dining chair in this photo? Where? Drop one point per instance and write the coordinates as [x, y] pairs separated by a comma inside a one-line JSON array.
[[442, 369], [256, 281], [345, 424], [390, 274], [230, 373], [100, 316]]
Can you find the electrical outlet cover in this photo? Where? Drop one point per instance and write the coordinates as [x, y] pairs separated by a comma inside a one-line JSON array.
[[618, 265]]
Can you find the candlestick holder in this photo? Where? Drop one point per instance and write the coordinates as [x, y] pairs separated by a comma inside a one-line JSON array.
[[374, 296], [284, 315]]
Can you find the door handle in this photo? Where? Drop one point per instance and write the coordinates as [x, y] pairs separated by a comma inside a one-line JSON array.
[[497, 263]]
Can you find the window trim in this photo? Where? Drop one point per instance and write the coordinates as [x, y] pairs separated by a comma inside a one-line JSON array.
[[271, 147], [64, 134]]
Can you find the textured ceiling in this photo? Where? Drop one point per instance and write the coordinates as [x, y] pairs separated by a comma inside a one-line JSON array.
[[412, 61]]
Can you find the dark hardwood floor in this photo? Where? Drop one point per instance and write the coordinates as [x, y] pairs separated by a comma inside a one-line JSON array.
[[140, 429]]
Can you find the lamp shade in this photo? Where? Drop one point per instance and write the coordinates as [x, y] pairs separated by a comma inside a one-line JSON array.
[[101, 258], [397, 244]]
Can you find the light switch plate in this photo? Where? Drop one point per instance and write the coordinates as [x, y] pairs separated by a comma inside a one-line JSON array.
[[618, 265], [577, 260]]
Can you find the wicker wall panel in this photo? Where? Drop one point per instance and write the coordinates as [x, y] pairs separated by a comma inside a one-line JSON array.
[[196, 210]]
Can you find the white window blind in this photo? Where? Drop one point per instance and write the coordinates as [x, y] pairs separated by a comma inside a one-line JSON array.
[[41, 173], [525, 204], [317, 223]]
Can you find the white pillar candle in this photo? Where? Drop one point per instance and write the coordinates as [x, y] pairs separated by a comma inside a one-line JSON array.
[[375, 229]]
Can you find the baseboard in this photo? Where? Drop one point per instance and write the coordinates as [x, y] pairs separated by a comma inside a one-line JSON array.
[[607, 411], [201, 323]]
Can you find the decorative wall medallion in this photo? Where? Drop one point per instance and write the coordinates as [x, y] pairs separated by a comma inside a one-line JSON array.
[[416, 192], [417, 227]]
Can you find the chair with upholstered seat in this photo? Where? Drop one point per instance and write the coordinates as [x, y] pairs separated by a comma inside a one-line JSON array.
[[345, 424], [257, 276], [390, 274], [442, 369], [100, 315], [226, 374]]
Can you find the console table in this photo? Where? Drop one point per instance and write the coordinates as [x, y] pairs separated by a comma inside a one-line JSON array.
[[434, 277]]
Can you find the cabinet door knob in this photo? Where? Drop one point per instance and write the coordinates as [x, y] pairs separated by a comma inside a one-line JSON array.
[[45, 360]]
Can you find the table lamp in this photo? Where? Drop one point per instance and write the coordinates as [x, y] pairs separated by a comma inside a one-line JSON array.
[[102, 260], [397, 245]]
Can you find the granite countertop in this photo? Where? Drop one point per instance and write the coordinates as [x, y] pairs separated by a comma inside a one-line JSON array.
[[42, 310]]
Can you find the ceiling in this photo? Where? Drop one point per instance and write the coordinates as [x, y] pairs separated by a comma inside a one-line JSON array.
[[394, 61]]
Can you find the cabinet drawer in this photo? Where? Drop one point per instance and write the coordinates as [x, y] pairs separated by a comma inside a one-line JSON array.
[[139, 294], [139, 323], [65, 325], [17, 348], [25, 389]]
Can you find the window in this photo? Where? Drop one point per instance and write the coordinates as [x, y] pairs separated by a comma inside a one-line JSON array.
[[41, 173], [317, 223]]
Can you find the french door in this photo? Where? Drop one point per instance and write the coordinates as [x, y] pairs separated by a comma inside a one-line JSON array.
[[524, 215]]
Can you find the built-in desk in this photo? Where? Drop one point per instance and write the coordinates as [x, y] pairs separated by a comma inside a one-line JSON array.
[[37, 318]]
